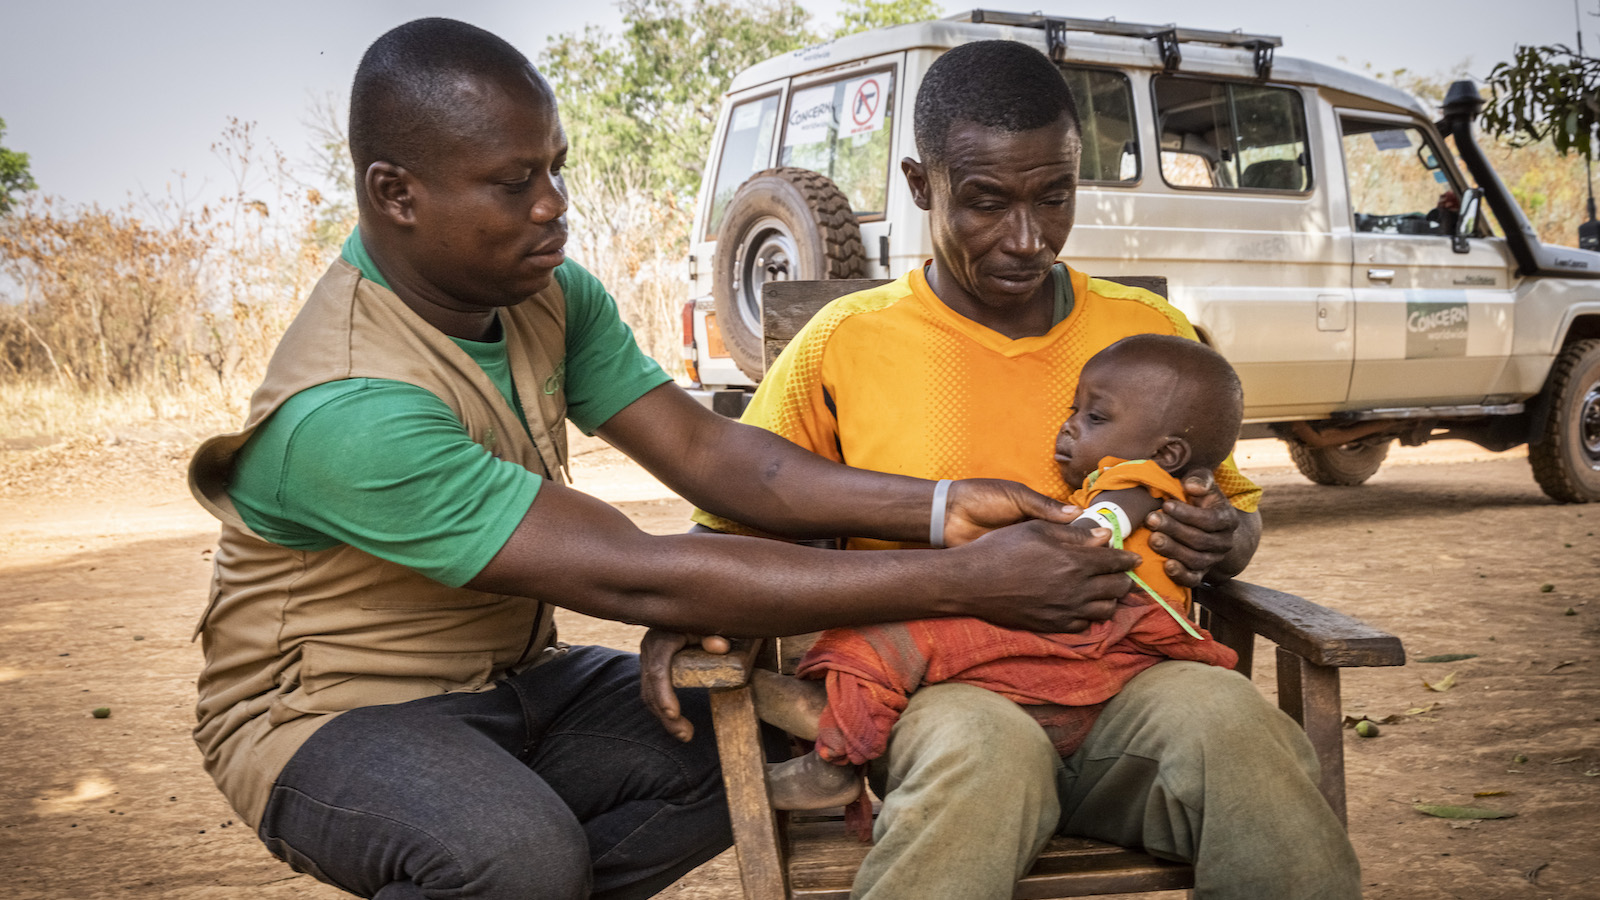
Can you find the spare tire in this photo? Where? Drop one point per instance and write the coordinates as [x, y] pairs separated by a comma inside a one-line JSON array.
[[785, 224]]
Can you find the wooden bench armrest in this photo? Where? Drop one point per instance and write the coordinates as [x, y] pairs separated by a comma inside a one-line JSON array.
[[1317, 634], [1314, 643], [693, 667]]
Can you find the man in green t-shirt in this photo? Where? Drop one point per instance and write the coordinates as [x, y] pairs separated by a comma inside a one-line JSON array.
[[382, 697]]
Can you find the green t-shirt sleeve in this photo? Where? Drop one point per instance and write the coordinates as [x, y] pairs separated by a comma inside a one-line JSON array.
[[605, 369], [385, 467]]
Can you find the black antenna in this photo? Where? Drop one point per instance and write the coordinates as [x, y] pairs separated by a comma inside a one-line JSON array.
[[1588, 232]]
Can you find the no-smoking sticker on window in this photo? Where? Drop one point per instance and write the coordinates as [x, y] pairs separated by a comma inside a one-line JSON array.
[[864, 103]]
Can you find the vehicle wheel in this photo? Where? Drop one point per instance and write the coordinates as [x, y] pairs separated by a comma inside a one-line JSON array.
[[1565, 455], [1345, 465], [785, 224]]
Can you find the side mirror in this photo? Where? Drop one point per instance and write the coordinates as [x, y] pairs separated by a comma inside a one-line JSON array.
[[1589, 234], [1467, 221]]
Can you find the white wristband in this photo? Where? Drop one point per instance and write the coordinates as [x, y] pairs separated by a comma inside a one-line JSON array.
[[1106, 514], [941, 498]]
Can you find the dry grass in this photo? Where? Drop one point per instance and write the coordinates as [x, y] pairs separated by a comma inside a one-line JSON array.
[[37, 411], [155, 320]]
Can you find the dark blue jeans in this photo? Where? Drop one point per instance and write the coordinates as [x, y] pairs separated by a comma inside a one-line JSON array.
[[558, 783]]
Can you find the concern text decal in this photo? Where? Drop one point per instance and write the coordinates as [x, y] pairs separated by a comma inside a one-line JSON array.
[[1436, 327]]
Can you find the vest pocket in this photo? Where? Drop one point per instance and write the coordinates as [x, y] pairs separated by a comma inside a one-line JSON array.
[[331, 678]]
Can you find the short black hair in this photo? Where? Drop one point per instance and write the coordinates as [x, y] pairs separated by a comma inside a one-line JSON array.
[[1211, 396], [995, 84], [410, 86]]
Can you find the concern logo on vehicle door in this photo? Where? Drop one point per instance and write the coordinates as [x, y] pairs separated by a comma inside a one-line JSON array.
[[1436, 326]]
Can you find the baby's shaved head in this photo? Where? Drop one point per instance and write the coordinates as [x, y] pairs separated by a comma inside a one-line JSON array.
[[1208, 396]]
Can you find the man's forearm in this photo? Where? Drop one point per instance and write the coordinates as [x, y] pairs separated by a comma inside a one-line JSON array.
[[736, 586], [578, 552], [757, 478], [782, 488]]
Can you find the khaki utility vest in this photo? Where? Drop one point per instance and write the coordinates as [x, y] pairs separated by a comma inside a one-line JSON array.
[[295, 637]]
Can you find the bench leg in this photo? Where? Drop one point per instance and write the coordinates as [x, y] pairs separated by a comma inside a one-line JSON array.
[[1310, 694], [755, 831]]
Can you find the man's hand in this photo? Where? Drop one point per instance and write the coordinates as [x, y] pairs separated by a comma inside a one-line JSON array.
[[656, 649], [1054, 578], [977, 506], [1205, 535]]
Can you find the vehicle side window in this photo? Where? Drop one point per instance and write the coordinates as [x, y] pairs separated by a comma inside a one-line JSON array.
[[745, 151], [842, 129], [1232, 136], [1105, 113], [1397, 185]]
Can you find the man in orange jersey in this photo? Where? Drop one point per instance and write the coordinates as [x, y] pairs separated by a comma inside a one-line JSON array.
[[966, 367]]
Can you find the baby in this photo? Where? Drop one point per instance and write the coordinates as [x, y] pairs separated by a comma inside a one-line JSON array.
[[1147, 409]]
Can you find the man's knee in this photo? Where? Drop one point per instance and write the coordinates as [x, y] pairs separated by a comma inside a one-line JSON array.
[[1242, 719], [516, 854], [1200, 704], [973, 738], [1203, 724], [962, 760], [485, 849]]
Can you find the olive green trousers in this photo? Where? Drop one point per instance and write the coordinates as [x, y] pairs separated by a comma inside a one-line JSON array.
[[1189, 762]]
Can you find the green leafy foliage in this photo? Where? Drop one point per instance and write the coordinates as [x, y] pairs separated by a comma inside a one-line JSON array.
[[14, 175], [644, 104], [860, 15], [1546, 92]]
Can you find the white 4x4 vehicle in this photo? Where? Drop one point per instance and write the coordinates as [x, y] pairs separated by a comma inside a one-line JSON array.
[[1313, 224]]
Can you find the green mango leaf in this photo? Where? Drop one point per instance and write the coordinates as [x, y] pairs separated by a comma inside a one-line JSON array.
[[1460, 812]]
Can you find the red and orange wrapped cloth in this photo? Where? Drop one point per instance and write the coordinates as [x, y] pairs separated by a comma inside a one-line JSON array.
[[1062, 680]]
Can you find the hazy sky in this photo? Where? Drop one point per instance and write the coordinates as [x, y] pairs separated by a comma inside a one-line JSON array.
[[110, 98]]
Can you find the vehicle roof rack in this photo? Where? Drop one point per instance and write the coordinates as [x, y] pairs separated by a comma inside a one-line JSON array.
[[1168, 38]]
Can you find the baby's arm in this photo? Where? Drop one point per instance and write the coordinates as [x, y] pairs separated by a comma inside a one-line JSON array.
[[1135, 502]]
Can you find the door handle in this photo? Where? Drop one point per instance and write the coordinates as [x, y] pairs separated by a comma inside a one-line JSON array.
[[1380, 274]]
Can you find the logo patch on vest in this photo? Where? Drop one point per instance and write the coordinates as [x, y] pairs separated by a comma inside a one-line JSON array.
[[555, 382]]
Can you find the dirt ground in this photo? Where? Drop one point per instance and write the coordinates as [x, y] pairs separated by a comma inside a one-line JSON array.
[[104, 560]]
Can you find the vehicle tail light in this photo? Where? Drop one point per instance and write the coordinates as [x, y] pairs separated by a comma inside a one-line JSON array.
[[689, 366]]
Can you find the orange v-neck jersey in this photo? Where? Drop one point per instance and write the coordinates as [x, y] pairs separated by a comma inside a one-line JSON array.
[[892, 379]]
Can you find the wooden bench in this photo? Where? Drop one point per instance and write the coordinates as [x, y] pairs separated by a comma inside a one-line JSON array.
[[807, 855]]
